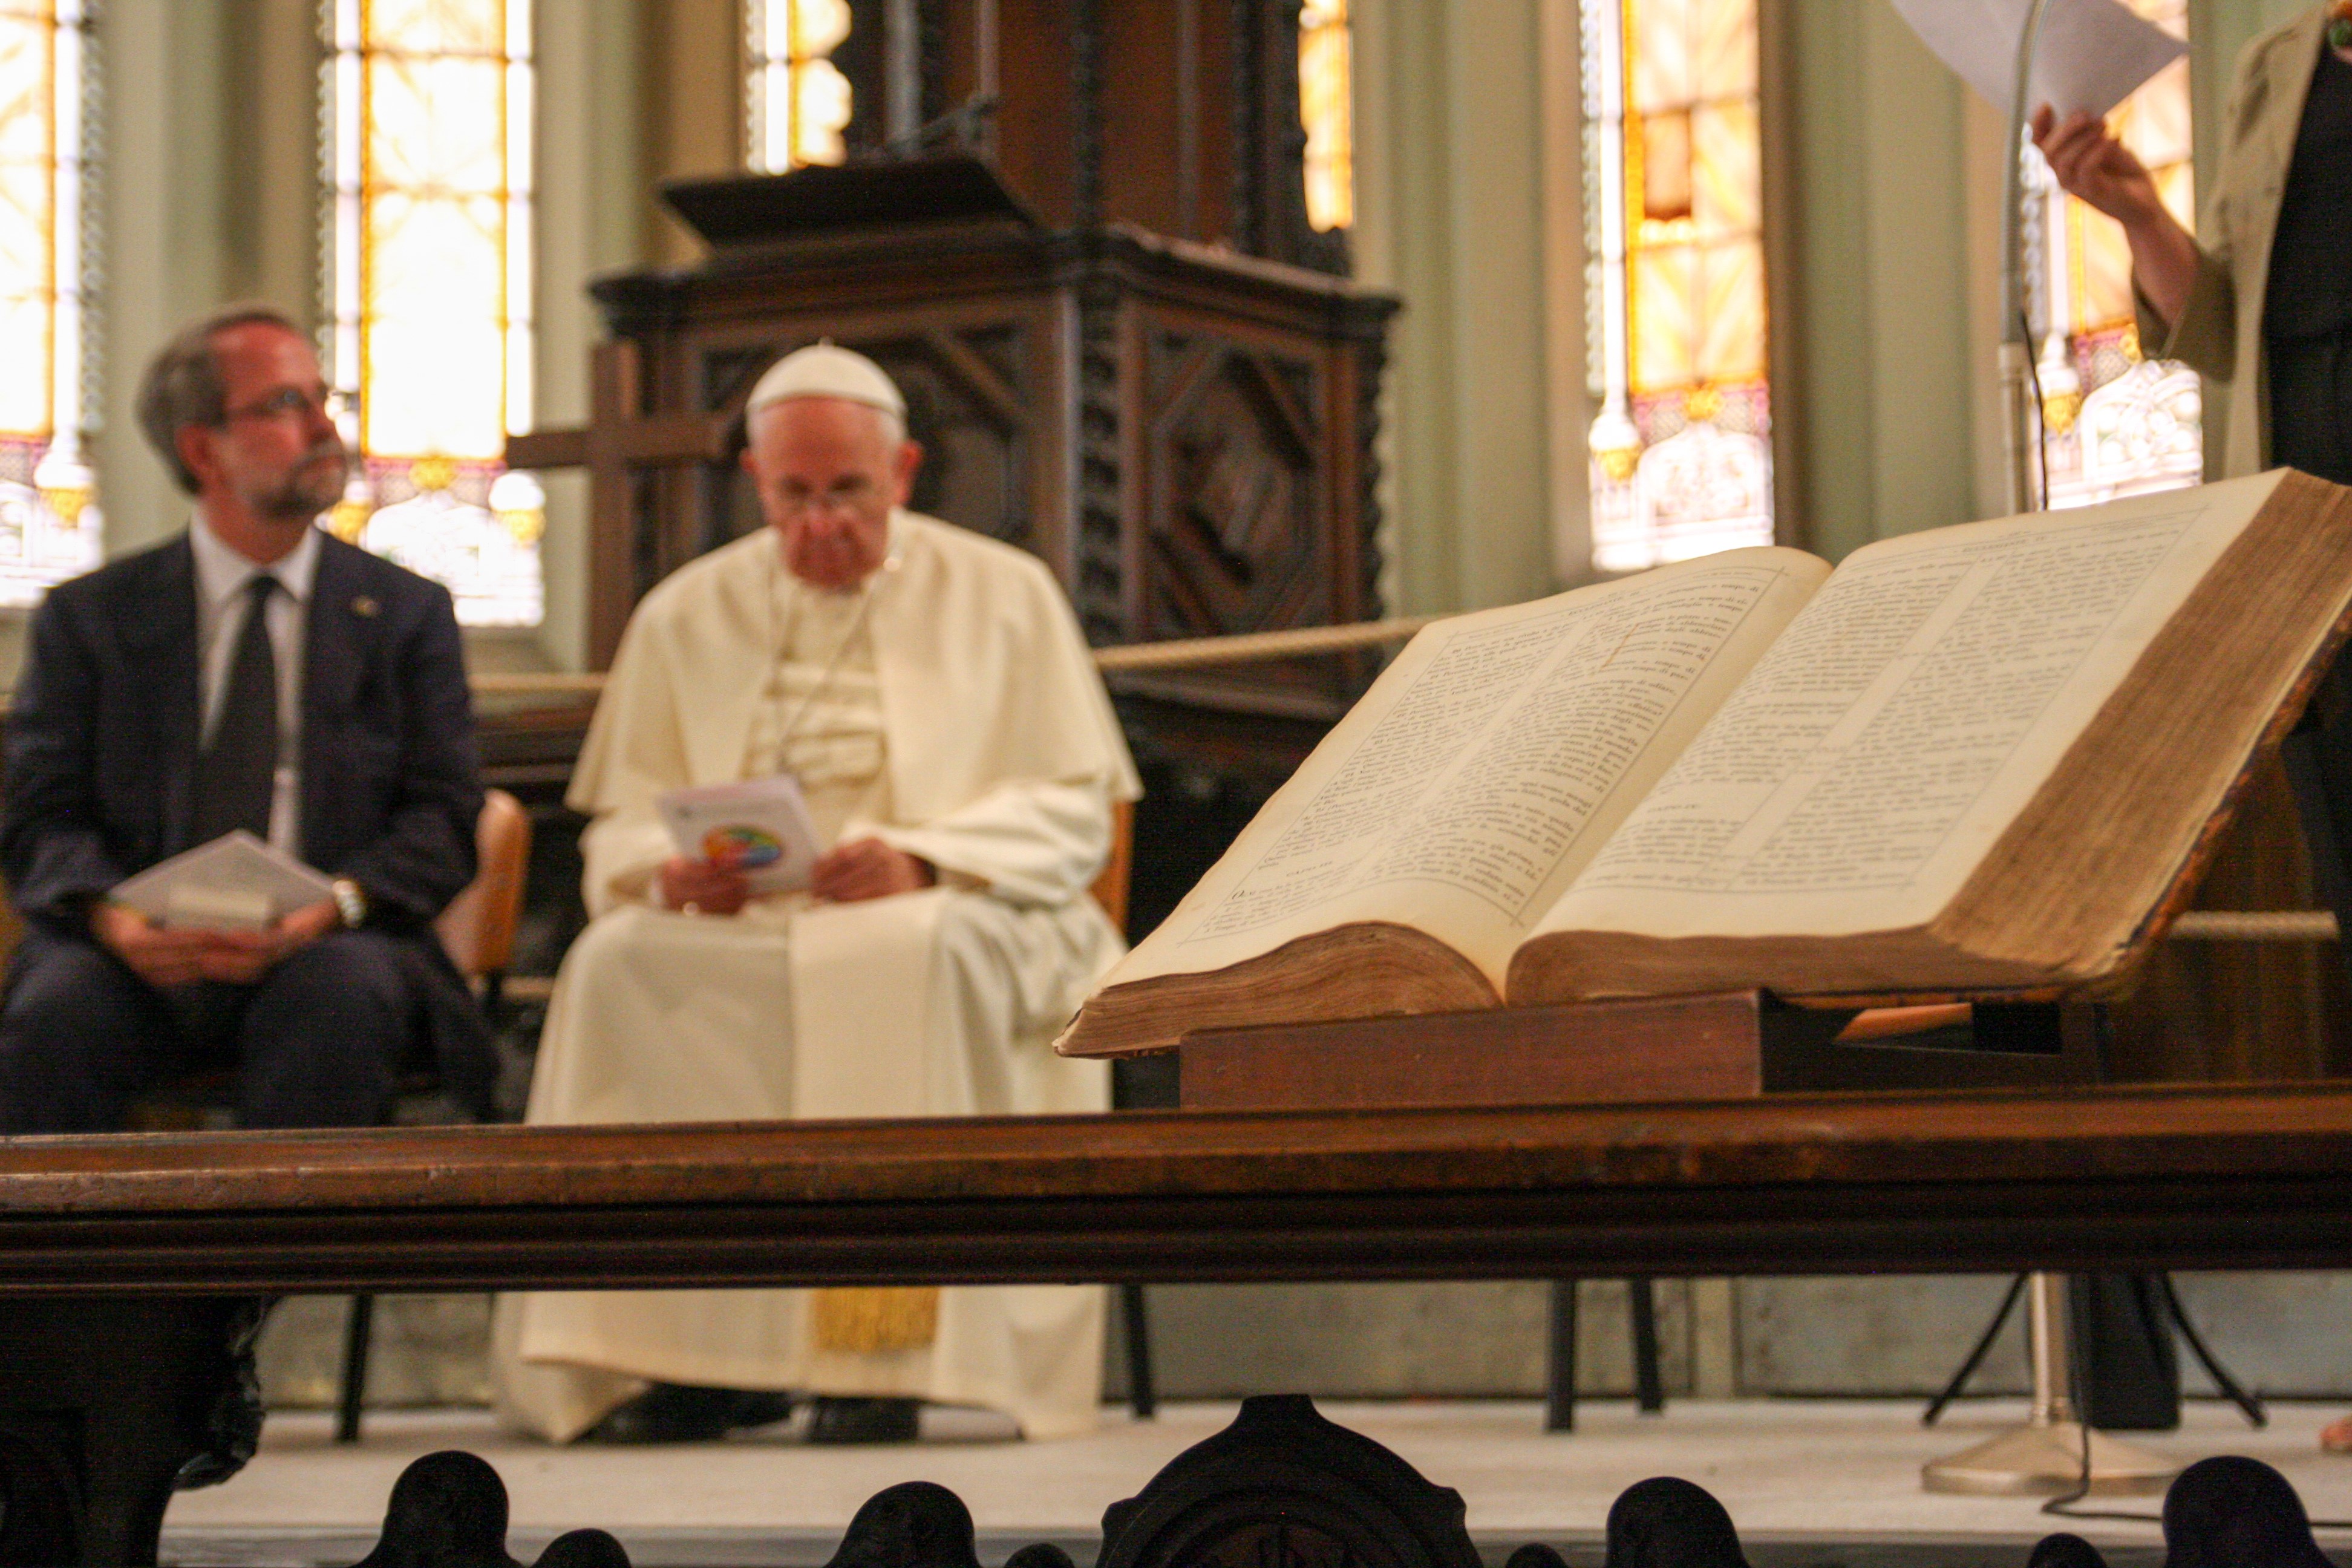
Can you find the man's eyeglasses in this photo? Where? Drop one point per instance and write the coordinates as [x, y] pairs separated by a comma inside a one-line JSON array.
[[294, 403]]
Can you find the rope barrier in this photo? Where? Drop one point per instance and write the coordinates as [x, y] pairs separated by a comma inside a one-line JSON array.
[[2254, 925], [1252, 647], [1186, 653]]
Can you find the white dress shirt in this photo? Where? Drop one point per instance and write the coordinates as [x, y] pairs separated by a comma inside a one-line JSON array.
[[222, 575]]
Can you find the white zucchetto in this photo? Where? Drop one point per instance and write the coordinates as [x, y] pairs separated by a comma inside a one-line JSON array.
[[822, 370]]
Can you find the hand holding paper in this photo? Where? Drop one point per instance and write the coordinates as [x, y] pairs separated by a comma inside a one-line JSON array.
[[695, 885], [735, 841], [236, 883], [226, 911], [2093, 53]]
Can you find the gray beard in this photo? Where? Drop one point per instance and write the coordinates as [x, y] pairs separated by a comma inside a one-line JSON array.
[[302, 497]]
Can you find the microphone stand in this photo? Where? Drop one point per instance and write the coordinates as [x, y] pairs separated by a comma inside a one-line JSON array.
[[2053, 1453]]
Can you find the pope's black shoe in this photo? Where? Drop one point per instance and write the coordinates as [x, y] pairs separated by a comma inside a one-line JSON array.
[[681, 1413], [848, 1420]]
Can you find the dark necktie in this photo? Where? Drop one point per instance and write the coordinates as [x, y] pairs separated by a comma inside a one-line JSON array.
[[237, 779]]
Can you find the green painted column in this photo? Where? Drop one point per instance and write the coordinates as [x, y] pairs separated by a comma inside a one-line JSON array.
[[1451, 207], [1880, 242], [166, 256], [592, 180]]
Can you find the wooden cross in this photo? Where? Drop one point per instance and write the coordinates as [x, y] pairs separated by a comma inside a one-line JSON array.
[[618, 440]]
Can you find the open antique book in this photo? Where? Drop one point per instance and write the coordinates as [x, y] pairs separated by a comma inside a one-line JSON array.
[[1986, 759]]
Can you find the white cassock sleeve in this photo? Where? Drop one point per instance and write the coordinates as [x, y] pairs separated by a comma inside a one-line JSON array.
[[636, 753], [1031, 845]]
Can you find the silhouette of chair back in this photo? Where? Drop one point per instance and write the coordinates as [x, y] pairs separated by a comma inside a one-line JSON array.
[[479, 926], [1110, 887]]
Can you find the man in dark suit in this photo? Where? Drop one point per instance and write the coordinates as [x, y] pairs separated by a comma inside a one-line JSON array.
[[254, 672]]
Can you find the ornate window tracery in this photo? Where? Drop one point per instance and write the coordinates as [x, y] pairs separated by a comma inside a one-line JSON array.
[[428, 122], [796, 101], [1676, 325], [1326, 85], [49, 520], [2113, 424]]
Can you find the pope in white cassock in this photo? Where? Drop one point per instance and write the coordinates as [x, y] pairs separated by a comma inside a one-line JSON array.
[[930, 690]]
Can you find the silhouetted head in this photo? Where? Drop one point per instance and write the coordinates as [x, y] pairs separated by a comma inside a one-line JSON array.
[[915, 1524], [1040, 1554], [582, 1549], [1534, 1555], [2063, 1551], [2230, 1513], [446, 1510], [1667, 1522]]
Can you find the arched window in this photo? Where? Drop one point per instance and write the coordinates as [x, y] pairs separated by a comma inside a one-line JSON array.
[[2116, 425], [1325, 70], [796, 102], [1682, 461], [428, 124], [49, 521]]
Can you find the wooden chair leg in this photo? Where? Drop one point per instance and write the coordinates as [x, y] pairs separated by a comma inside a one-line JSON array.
[[358, 1329], [1141, 1397], [1560, 1369], [1648, 1387]]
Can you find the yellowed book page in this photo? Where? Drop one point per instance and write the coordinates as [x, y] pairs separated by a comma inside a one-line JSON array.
[[1867, 764], [1478, 773]]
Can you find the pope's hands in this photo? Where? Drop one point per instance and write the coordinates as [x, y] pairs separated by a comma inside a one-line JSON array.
[[850, 873], [166, 956], [707, 889], [2092, 164], [868, 868]]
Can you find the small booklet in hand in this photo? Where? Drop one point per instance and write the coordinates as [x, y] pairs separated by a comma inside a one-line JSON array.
[[236, 883], [760, 828]]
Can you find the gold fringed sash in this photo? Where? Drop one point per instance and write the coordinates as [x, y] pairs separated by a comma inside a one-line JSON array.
[[866, 1320]]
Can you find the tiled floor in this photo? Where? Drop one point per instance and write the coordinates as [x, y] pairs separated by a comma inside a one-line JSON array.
[[1809, 1482]]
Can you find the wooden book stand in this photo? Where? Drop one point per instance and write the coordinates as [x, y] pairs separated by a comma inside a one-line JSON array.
[[1725, 1045]]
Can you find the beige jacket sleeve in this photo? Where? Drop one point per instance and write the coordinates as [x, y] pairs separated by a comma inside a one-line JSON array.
[[2205, 336]]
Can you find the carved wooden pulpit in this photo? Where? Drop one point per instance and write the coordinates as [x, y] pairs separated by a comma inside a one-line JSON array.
[[1185, 434]]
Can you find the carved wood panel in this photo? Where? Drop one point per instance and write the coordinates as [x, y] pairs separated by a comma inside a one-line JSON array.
[[1245, 508], [1235, 514]]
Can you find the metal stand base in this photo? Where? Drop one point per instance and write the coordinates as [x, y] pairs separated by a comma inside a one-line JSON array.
[[2047, 1461], [2045, 1456]]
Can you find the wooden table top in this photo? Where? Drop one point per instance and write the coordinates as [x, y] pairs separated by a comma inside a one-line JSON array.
[[2199, 1177]]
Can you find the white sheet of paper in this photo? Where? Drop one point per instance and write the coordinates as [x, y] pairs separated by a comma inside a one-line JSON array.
[[220, 885], [2094, 53], [760, 826]]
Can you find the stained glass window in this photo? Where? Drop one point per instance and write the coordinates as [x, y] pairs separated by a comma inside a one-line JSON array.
[[1324, 107], [2114, 424], [1681, 453], [796, 100], [428, 138], [49, 522]]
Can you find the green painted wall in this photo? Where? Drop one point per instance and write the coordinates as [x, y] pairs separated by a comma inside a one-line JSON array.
[[1884, 424], [1451, 207]]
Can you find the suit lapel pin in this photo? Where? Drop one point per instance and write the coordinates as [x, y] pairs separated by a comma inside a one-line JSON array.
[[364, 608]]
